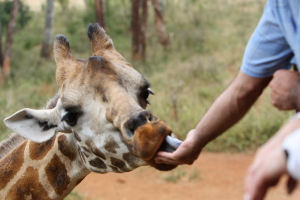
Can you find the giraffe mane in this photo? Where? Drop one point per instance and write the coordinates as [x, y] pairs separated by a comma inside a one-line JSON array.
[[52, 102], [14, 140], [9, 144]]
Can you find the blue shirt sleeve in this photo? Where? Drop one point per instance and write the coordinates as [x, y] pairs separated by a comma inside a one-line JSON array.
[[267, 49]]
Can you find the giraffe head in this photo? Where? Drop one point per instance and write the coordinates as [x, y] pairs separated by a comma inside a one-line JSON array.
[[101, 106]]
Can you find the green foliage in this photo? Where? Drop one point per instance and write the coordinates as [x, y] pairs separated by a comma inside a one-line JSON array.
[[208, 40], [175, 175], [23, 15], [63, 3], [195, 175], [89, 15], [181, 173]]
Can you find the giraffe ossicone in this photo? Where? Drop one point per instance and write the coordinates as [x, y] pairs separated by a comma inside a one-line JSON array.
[[97, 122]]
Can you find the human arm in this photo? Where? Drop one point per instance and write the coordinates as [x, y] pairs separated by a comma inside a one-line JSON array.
[[270, 164], [228, 108], [285, 87]]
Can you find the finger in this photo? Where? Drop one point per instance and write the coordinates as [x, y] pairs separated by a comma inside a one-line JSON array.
[[164, 160], [164, 154], [280, 72], [256, 192], [255, 189], [164, 157], [272, 84]]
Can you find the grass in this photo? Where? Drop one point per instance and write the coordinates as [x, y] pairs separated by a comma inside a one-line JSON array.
[[175, 175], [208, 40], [182, 174]]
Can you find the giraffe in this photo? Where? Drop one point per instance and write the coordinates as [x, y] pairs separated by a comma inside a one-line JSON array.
[[97, 122]]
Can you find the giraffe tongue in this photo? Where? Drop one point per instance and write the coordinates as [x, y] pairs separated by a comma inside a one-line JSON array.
[[170, 144]]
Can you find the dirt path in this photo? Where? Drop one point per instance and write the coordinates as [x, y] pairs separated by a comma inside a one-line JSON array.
[[214, 176]]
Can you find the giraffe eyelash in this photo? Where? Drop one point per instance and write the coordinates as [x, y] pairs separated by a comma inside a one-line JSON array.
[[150, 91]]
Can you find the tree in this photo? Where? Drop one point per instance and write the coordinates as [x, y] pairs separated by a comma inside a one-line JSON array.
[[143, 29], [163, 35], [100, 11], [139, 26], [47, 45], [9, 38], [1, 54], [9, 13]]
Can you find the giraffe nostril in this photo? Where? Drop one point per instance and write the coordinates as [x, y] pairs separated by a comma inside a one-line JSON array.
[[130, 132], [138, 120]]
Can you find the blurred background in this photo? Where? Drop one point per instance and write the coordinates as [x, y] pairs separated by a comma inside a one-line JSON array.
[[189, 50]]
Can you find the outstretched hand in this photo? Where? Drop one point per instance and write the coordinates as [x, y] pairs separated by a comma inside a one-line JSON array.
[[186, 153], [285, 87], [268, 167]]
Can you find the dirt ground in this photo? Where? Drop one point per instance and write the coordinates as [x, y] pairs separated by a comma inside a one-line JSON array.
[[214, 176]]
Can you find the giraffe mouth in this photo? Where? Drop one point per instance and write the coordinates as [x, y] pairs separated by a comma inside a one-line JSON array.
[[170, 144], [152, 137]]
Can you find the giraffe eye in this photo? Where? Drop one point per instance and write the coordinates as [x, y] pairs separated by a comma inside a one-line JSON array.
[[145, 95], [71, 118]]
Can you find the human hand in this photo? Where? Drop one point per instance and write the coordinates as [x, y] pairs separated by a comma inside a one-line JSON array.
[[186, 153], [268, 167], [285, 90]]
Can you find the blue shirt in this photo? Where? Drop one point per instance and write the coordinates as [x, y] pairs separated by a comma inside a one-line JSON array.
[[275, 42]]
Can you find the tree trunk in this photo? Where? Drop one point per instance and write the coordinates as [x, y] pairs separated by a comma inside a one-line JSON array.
[[1, 47], [1, 54], [9, 38], [143, 29], [163, 35], [135, 29], [100, 9], [47, 43], [139, 26]]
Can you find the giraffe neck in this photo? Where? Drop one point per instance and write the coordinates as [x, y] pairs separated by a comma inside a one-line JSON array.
[[48, 170]]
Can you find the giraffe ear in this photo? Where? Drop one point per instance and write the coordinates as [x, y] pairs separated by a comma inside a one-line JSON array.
[[36, 125], [99, 40], [63, 58]]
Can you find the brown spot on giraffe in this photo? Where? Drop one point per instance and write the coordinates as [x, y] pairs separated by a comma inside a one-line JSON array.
[[115, 169], [15, 159], [110, 144], [131, 159], [95, 150], [38, 151], [28, 187], [98, 163], [64, 148], [119, 164], [57, 175]]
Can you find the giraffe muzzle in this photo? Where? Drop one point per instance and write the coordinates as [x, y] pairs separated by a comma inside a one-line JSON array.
[[138, 120], [152, 137]]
